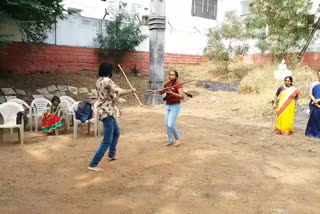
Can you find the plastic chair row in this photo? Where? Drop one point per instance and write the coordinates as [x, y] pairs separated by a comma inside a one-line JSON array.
[[39, 106]]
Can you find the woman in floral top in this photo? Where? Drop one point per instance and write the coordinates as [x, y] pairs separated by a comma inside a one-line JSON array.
[[108, 94]]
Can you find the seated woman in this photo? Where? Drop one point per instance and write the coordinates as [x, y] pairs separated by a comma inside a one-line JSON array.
[[51, 120], [287, 95], [313, 126]]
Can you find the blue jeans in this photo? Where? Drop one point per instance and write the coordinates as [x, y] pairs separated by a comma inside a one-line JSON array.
[[110, 138], [172, 112]]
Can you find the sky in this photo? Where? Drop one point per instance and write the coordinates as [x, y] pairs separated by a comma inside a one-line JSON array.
[[96, 8]]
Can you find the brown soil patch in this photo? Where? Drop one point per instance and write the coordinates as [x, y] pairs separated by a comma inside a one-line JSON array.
[[226, 164]]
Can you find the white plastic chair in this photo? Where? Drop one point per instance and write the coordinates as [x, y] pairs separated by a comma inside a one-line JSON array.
[[9, 112], [22, 102], [64, 108], [67, 98], [73, 108], [69, 114], [39, 107], [99, 123]]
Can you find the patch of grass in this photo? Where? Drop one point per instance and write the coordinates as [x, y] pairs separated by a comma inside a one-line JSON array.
[[258, 88], [211, 72]]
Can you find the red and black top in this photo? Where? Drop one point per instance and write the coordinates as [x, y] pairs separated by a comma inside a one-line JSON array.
[[171, 99]]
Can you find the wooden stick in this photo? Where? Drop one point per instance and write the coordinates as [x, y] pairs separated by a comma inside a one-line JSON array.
[[171, 86], [124, 74]]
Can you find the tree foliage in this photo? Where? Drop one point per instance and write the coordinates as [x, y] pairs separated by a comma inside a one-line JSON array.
[[122, 34], [280, 26], [33, 17], [227, 41]]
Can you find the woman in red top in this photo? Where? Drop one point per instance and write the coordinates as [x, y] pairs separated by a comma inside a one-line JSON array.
[[173, 98]]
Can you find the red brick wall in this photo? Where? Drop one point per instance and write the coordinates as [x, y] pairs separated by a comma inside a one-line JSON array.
[[19, 58], [311, 59], [257, 59]]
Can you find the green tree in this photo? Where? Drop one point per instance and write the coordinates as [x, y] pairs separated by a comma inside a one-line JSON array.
[[33, 17], [281, 27], [227, 41], [122, 34]]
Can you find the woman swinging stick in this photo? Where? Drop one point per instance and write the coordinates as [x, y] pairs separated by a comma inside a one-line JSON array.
[[174, 92]]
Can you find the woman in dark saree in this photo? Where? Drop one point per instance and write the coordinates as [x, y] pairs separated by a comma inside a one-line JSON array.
[[313, 126]]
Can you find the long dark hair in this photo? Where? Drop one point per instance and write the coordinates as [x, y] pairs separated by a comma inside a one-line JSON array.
[[173, 82], [290, 78], [177, 76], [54, 99], [105, 70]]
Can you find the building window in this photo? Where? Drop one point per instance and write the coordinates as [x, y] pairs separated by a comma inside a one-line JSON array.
[[145, 20], [246, 6], [204, 8]]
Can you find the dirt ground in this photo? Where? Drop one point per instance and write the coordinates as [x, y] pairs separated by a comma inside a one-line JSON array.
[[226, 164]]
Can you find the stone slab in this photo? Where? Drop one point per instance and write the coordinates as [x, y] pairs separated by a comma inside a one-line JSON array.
[[2, 99], [57, 93], [43, 91], [94, 91], [83, 90], [37, 96], [48, 96], [92, 96], [52, 88], [63, 88], [63, 93], [8, 91], [21, 92], [10, 97], [72, 89]]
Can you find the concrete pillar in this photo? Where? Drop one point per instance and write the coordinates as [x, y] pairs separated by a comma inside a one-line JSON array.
[[157, 26]]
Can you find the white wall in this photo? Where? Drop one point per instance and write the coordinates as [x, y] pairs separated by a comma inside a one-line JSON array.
[[73, 31], [184, 35], [78, 31]]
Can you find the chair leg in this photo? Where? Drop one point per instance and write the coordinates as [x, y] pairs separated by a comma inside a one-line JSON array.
[[67, 122], [19, 134], [21, 131], [66, 128], [22, 134], [36, 123], [11, 130], [89, 128], [71, 120], [95, 129], [1, 135], [98, 128], [30, 123], [101, 128], [75, 130]]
